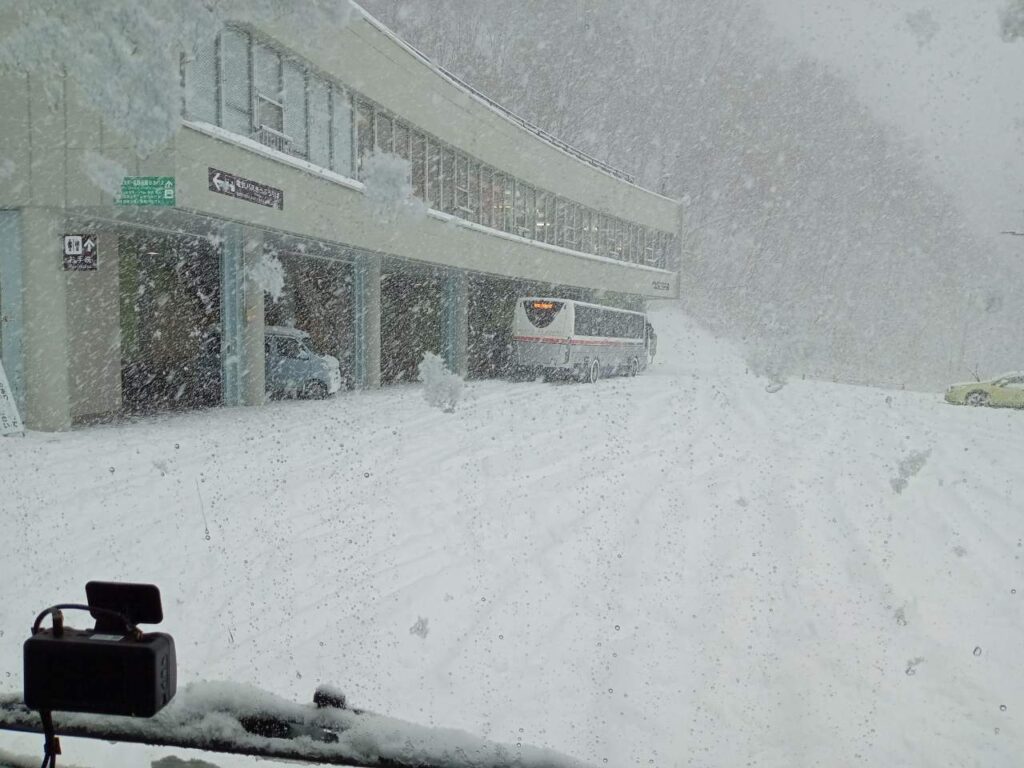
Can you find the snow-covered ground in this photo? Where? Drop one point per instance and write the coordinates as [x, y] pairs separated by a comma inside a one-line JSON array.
[[678, 569]]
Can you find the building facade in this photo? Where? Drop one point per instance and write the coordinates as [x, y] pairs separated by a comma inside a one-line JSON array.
[[259, 213]]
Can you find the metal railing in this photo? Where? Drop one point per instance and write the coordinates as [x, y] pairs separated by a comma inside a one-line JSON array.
[[274, 139]]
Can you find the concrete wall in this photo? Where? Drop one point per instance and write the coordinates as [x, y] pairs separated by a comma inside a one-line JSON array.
[[46, 340], [94, 328], [49, 136]]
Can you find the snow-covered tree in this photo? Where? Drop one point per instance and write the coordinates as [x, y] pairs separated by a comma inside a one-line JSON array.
[[125, 55], [1012, 20]]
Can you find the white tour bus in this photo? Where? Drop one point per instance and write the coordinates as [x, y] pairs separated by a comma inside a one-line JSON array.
[[572, 338]]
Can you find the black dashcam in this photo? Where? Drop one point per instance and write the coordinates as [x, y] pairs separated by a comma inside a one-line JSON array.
[[111, 669]]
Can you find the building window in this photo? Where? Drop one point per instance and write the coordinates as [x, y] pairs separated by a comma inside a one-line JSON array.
[[385, 133], [268, 79], [269, 114], [508, 199], [401, 140], [341, 132], [519, 201], [269, 91], [237, 82], [448, 181], [560, 208], [585, 235], [319, 122], [486, 196], [271, 128], [474, 192], [671, 258], [565, 222], [419, 165], [498, 201], [549, 219], [295, 109], [530, 200], [607, 247], [202, 83], [462, 207], [542, 219], [572, 234], [433, 175], [364, 133], [648, 247]]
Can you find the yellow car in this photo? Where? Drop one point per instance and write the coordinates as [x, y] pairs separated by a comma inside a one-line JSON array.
[[1006, 391]]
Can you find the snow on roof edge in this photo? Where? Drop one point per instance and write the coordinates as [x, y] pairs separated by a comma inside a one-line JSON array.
[[505, 112]]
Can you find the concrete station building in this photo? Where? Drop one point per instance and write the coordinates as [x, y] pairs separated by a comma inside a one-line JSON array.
[[164, 307]]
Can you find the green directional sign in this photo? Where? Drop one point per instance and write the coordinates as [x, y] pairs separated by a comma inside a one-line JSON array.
[[146, 190]]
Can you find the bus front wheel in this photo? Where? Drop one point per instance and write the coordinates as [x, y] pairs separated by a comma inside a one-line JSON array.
[[634, 367]]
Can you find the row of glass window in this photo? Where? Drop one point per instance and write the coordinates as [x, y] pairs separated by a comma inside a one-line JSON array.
[[249, 87]]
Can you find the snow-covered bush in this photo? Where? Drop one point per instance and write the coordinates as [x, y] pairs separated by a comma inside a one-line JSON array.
[[441, 387], [388, 189], [777, 358]]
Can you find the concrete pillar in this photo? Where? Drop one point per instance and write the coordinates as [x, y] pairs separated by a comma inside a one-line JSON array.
[[456, 322], [94, 328], [45, 339], [367, 320], [242, 359], [232, 291], [11, 314], [254, 390]]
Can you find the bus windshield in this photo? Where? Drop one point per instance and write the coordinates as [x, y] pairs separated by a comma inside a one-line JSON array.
[[542, 313]]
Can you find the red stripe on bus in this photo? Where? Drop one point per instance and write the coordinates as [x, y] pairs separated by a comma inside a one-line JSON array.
[[580, 342], [542, 339], [596, 343]]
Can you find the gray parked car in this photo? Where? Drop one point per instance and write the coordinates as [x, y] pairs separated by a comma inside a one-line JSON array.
[[295, 369]]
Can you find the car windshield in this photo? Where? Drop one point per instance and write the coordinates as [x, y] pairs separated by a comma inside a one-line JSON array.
[[528, 383]]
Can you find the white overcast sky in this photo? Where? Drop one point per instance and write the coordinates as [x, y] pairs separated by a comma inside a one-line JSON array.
[[960, 92]]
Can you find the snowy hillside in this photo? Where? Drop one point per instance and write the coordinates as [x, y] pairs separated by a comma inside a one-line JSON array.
[[678, 569]]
